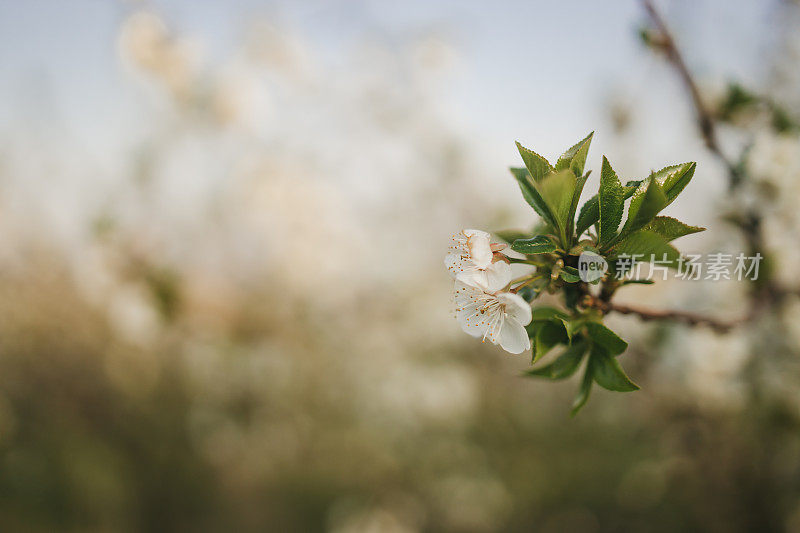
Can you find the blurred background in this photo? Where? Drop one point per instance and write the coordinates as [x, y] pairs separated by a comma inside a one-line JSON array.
[[222, 298]]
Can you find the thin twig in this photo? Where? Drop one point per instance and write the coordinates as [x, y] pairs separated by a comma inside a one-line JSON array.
[[705, 120], [692, 319], [685, 317], [749, 221]]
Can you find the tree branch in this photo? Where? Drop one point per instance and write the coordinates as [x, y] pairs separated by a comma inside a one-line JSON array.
[[762, 296], [685, 317], [705, 120], [749, 222]]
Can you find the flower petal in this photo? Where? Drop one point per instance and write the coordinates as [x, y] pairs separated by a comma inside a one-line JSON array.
[[513, 337], [498, 276], [469, 301], [455, 263], [479, 246], [476, 233], [471, 321], [474, 278], [516, 307]]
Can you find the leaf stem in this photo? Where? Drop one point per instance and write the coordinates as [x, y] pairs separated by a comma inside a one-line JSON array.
[[524, 261], [530, 281]]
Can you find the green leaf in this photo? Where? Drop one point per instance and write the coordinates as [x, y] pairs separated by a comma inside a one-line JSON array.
[[673, 179], [570, 274], [637, 282], [575, 158], [531, 194], [564, 366], [572, 295], [540, 244], [650, 246], [542, 228], [573, 325], [548, 336], [537, 165], [545, 313], [589, 215], [583, 391], [590, 212], [647, 201], [580, 182], [736, 99], [611, 203], [670, 228], [608, 373], [606, 338], [557, 190]]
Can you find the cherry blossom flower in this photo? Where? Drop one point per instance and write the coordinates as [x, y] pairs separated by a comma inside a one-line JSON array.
[[473, 259], [500, 317]]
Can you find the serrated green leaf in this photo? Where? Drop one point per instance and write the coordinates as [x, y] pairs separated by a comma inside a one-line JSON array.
[[575, 158], [580, 182], [674, 178], [611, 203], [557, 190], [649, 246], [539, 244], [589, 215], [647, 201], [532, 195], [606, 338], [590, 212], [607, 371], [565, 364], [570, 274], [670, 228], [583, 391], [537, 165]]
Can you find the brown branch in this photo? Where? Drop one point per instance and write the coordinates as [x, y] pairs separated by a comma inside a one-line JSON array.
[[685, 317], [705, 120], [748, 222], [762, 296]]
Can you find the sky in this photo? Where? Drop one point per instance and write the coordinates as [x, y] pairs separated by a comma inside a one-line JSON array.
[[541, 72], [523, 64]]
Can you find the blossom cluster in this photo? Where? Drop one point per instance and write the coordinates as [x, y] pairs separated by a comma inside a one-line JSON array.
[[484, 305]]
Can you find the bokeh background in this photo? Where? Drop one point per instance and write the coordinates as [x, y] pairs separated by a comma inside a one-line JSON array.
[[222, 299]]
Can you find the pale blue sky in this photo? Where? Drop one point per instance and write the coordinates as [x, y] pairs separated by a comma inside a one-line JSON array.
[[525, 63], [537, 71]]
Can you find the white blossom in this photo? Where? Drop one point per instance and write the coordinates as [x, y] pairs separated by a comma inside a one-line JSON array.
[[472, 260], [500, 317]]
